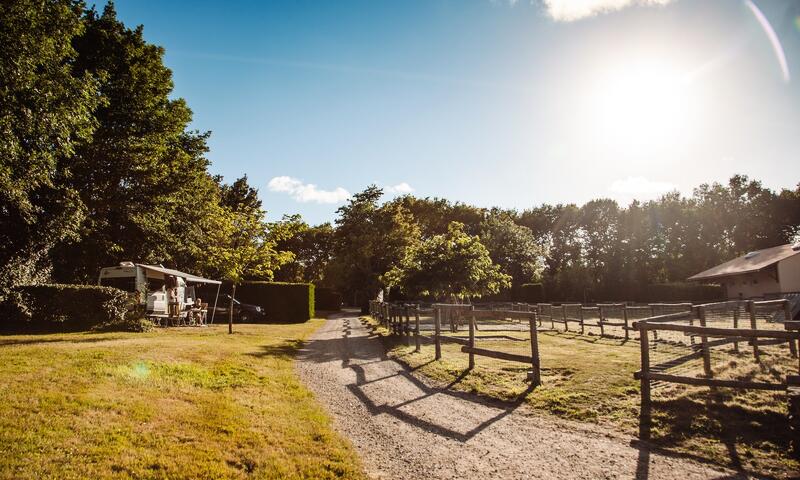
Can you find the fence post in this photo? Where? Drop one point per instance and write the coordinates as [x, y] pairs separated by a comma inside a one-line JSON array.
[[602, 320], [787, 317], [407, 329], [416, 328], [580, 317], [644, 344], [625, 320], [564, 317], [701, 313], [471, 340], [752, 307], [437, 326], [536, 378], [736, 325]]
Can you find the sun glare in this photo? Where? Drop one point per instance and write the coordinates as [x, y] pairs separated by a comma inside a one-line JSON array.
[[641, 107]]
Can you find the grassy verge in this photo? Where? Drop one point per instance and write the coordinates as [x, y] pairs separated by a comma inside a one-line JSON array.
[[590, 379], [173, 403]]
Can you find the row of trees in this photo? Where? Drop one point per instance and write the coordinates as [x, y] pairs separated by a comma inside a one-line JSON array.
[[98, 164], [596, 251]]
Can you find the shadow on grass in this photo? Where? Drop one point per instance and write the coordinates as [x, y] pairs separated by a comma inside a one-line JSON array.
[[10, 342], [668, 425], [286, 350]]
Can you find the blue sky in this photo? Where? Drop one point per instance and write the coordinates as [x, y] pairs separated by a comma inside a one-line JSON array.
[[493, 103]]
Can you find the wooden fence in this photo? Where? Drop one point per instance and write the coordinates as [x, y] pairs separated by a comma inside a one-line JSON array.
[[720, 328]]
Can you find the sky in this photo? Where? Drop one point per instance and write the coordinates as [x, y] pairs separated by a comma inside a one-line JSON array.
[[493, 103]]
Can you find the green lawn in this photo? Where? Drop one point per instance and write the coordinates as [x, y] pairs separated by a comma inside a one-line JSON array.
[[590, 379], [173, 403]]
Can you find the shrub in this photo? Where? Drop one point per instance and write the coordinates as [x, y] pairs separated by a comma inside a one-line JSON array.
[[69, 308], [327, 299]]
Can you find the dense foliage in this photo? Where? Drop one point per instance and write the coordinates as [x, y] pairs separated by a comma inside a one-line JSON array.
[[97, 162], [68, 308], [453, 263]]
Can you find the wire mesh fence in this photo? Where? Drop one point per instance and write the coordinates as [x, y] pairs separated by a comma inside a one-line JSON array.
[[738, 344]]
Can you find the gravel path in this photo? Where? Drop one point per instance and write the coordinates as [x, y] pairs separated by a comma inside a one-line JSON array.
[[404, 428]]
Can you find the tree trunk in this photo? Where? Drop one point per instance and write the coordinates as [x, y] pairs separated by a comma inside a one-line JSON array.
[[230, 309]]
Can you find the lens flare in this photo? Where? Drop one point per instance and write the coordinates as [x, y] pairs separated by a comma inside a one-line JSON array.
[[773, 38]]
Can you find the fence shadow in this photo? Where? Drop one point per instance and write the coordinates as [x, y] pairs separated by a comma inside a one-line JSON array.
[[362, 353], [667, 424]]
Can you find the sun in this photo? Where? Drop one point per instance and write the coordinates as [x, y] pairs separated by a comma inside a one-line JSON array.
[[642, 106]]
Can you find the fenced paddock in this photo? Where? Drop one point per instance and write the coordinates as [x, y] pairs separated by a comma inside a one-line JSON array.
[[592, 376], [732, 344]]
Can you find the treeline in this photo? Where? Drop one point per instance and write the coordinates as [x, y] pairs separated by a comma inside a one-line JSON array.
[[598, 251], [97, 161]]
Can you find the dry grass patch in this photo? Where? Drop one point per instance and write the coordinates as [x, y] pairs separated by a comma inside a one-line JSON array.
[[174, 403], [590, 379]]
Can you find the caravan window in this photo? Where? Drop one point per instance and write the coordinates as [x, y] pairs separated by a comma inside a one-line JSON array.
[[154, 284], [127, 284]]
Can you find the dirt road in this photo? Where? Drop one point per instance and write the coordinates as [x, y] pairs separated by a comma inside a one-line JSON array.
[[404, 428]]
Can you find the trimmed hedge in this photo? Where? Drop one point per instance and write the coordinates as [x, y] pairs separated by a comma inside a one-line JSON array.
[[282, 302], [68, 308], [327, 299]]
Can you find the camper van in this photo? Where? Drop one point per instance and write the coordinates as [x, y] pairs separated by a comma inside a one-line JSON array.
[[150, 282]]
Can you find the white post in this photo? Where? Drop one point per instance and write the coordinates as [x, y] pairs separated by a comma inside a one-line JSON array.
[[215, 304]]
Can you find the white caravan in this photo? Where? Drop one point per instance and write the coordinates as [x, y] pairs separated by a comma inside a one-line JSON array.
[[149, 282]]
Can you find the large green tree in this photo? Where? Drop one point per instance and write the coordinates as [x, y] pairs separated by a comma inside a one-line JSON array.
[[513, 247], [312, 247], [142, 176], [45, 114], [369, 239], [450, 264]]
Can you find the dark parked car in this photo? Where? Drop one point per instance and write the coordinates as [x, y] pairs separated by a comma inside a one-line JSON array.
[[242, 312]]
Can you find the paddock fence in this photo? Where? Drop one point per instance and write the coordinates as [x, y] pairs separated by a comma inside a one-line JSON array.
[[735, 344]]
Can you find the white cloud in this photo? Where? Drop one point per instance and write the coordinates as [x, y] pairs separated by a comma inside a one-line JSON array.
[[640, 188], [571, 10], [307, 192], [401, 188]]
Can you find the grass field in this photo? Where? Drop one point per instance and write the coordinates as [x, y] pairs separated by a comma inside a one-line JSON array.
[[173, 403], [590, 379]]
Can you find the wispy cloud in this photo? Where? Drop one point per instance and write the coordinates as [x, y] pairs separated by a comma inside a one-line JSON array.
[[307, 192], [401, 188], [640, 188], [571, 10]]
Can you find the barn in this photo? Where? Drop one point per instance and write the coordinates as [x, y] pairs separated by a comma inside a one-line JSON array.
[[771, 272]]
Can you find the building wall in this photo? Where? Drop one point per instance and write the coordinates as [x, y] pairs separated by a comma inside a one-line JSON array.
[[751, 285], [789, 274]]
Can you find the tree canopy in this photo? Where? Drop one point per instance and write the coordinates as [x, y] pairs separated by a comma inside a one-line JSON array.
[[454, 263]]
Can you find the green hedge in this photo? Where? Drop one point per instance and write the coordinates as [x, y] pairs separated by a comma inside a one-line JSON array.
[[68, 308], [327, 299], [282, 302]]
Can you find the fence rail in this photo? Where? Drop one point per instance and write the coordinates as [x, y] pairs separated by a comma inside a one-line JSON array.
[[691, 343], [701, 347]]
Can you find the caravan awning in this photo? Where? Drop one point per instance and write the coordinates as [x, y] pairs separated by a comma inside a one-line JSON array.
[[187, 276]]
